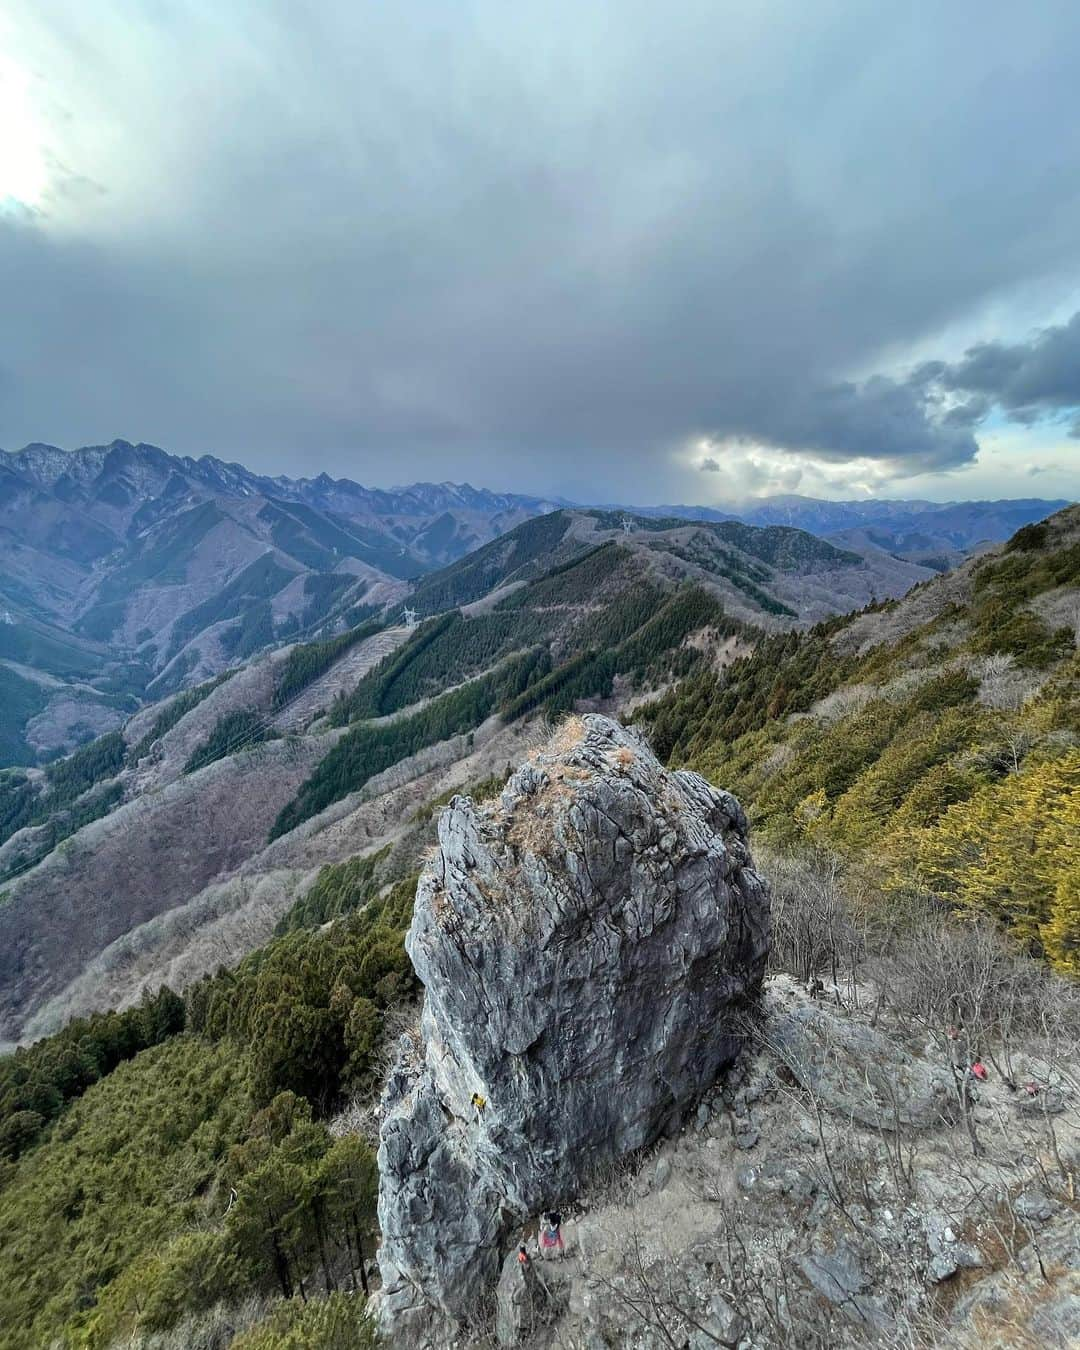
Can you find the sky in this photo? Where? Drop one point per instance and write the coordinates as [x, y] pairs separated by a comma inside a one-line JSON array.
[[624, 251]]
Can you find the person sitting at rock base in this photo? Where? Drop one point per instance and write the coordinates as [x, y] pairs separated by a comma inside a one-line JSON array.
[[551, 1240]]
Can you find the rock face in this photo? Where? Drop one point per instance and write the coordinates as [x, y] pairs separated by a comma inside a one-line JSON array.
[[584, 942], [858, 1072]]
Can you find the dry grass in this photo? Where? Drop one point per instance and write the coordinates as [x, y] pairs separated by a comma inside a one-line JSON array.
[[568, 734]]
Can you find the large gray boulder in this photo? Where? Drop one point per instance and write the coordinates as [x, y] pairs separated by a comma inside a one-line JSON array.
[[584, 943]]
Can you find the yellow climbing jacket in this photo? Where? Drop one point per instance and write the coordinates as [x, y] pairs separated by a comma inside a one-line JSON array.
[[478, 1101]]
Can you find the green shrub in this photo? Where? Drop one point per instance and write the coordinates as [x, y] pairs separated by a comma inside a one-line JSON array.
[[233, 732]]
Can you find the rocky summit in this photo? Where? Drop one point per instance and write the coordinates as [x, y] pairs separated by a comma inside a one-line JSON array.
[[585, 942]]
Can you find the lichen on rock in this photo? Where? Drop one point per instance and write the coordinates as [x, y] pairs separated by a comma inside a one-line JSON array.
[[584, 943]]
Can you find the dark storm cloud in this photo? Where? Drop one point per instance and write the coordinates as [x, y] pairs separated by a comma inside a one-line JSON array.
[[535, 245], [882, 419], [1029, 380]]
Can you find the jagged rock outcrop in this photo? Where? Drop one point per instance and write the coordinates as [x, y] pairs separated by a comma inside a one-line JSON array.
[[584, 942]]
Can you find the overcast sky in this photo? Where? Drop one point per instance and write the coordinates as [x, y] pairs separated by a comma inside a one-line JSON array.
[[629, 251]]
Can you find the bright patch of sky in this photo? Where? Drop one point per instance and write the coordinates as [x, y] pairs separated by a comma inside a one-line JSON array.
[[23, 168]]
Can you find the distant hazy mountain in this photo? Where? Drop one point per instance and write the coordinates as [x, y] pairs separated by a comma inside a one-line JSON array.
[[769, 576], [126, 571], [938, 535]]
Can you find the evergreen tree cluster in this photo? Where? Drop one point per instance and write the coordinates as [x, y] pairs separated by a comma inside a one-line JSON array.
[[518, 555], [166, 1158], [258, 581], [172, 713], [444, 651], [306, 662], [234, 731], [254, 630], [56, 804], [69, 778], [339, 889], [38, 1081], [370, 747], [944, 758], [577, 581]]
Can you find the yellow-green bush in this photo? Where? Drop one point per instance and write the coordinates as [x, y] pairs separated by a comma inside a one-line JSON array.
[[337, 1322]]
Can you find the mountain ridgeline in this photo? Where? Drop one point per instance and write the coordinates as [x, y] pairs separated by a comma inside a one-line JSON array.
[[127, 573], [203, 911], [573, 609]]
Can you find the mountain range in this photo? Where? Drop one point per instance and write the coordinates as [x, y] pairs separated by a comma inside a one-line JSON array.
[[266, 760], [127, 573], [937, 535], [203, 910]]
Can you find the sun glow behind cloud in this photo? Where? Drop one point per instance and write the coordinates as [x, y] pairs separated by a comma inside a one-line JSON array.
[[23, 166]]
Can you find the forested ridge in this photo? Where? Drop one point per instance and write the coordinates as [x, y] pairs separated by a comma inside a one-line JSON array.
[[564, 637], [938, 736], [65, 799], [158, 1162]]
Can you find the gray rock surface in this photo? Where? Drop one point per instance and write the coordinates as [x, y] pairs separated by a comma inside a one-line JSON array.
[[584, 943], [856, 1071], [839, 1277], [723, 1326], [948, 1253], [1048, 1102], [529, 1297]]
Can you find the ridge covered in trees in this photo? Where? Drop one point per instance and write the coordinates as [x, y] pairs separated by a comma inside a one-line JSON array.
[[541, 650], [939, 735], [157, 1161]]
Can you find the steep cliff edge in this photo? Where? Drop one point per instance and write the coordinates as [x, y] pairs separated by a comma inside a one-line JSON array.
[[584, 942]]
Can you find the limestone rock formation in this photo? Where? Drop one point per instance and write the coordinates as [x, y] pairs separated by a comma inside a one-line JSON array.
[[584, 943]]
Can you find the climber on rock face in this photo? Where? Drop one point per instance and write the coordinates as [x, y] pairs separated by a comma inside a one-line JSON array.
[[551, 1240], [478, 1103]]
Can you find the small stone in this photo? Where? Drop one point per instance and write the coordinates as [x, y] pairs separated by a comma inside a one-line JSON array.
[[747, 1138], [1048, 1102], [947, 1253], [1034, 1206], [702, 1117], [723, 1326], [819, 1210], [662, 1175], [745, 1178], [836, 1274]]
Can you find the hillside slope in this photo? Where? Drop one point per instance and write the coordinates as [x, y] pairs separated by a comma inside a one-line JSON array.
[[318, 745], [199, 1170], [570, 610], [771, 576], [938, 736]]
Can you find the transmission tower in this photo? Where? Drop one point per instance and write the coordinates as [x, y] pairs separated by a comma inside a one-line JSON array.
[[627, 525], [409, 615]]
